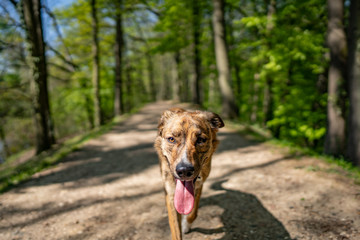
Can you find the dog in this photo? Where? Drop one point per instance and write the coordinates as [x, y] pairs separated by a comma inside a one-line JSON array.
[[185, 144]]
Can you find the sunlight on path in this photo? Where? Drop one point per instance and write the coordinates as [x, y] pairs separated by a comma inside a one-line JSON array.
[[111, 189]]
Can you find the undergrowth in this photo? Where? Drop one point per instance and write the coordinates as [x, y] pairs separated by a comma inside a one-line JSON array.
[[12, 173]]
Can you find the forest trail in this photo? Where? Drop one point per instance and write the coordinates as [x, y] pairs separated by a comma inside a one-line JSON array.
[[111, 189]]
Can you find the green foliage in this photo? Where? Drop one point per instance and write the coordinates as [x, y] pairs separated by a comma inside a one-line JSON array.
[[14, 172], [278, 62], [291, 55]]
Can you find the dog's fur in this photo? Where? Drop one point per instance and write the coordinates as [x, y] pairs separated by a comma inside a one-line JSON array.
[[188, 136]]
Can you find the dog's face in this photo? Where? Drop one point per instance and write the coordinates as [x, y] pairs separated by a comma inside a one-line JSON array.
[[188, 140]]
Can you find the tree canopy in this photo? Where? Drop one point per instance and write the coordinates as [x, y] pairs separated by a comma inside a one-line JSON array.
[[268, 63]]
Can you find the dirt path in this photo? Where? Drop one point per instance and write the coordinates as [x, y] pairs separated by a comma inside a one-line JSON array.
[[111, 189]]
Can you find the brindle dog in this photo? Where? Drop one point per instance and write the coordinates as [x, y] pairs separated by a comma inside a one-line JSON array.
[[185, 143]]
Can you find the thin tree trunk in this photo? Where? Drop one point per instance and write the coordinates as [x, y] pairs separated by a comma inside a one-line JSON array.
[[88, 103], [255, 99], [197, 61], [42, 115], [5, 149], [234, 60], [212, 89], [165, 88], [185, 83], [129, 95], [96, 65], [353, 145], [119, 42], [150, 68], [229, 108], [176, 77], [268, 103], [336, 40]]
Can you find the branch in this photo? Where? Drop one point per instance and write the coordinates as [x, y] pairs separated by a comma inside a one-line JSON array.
[[15, 3], [15, 23], [150, 9], [67, 58], [70, 63], [58, 78], [15, 88], [61, 67], [237, 8], [7, 44], [136, 38]]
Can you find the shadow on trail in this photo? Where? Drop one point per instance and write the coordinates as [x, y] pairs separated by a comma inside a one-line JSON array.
[[53, 209], [230, 141], [244, 217], [93, 166]]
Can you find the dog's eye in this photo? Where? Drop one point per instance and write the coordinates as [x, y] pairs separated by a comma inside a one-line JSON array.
[[171, 139], [200, 140]]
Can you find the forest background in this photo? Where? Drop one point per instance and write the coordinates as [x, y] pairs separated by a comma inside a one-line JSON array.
[[291, 67]]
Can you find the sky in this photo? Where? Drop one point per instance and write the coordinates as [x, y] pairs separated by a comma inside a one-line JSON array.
[[49, 31]]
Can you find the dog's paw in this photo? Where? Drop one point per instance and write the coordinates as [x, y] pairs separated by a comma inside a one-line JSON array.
[[185, 226]]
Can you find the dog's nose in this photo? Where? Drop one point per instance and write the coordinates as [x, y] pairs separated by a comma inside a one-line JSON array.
[[184, 170]]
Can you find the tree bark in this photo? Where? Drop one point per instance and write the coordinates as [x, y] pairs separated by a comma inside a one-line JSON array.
[[129, 92], [353, 145], [197, 60], [255, 99], [96, 65], [176, 78], [150, 68], [5, 151], [268, 103], [229, 108], [88, 103], [119, 44], [31, 11], [336, 40], [234, 60]]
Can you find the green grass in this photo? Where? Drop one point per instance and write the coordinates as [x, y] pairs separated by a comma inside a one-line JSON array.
[[12, 173], [336, 165]]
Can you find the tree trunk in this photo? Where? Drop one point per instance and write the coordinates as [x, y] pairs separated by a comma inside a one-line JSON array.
[[268, 103], [176, 78], [88, 103], [4, 152], [165, 88], [353, 145], [42, 115], [197, 61], [96, 65], [234, 60], [119, 42], [229, 108], [150, 68], [129, 93], [255, 99], [185, 86], [336, 40]]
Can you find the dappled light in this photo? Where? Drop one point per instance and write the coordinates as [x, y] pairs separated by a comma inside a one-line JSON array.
[[84, 83]]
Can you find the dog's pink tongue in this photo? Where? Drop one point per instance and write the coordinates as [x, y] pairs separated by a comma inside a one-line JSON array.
[[184, 196]]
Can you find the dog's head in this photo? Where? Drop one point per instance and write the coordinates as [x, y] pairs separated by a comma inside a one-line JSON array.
[[188, 140]]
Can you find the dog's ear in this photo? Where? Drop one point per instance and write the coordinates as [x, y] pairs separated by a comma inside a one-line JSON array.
[[166, 115], [215, 120]]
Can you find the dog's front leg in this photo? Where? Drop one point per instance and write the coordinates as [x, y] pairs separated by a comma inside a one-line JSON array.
[[174, 218]]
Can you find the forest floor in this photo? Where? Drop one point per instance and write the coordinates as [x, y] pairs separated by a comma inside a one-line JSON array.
[[111, 189]]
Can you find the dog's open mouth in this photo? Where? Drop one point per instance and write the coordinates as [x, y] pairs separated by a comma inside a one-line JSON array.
[[184, 196]]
